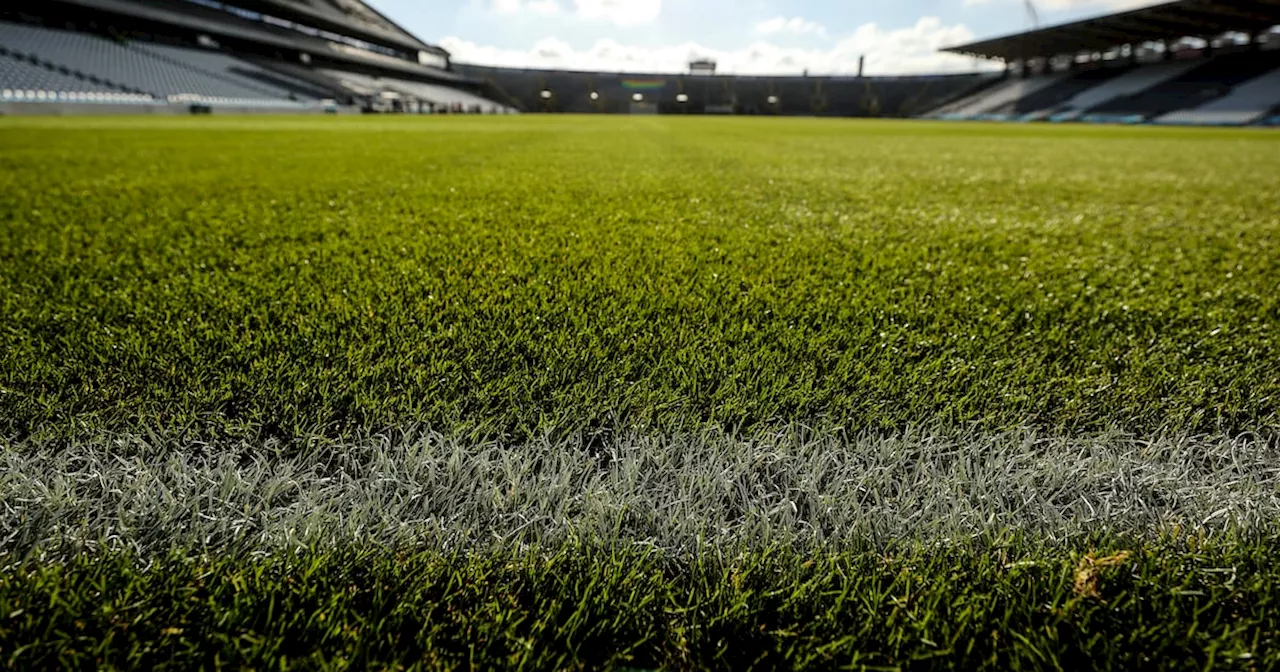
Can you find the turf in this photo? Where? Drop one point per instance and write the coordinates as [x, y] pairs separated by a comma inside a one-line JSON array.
[[510, 276], [555, 392]]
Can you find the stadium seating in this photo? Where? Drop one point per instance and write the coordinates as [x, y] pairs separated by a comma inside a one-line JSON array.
[[722, 94], [24, 80], [139, 70], [1130, 82], [1247, 103], [988, 101], [441, 97], [1212, 79], [243, 74], [910, 96], [1238, 85], [1041, 103]]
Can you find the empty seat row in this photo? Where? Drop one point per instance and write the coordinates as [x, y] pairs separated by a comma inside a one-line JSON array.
[[20, 75], [1046, 100], [166, 72], [1245, 104], [1131, 82], [1211, 79], [999, 97], [54, 96], [245, 76], [436, 94], [440, 95]]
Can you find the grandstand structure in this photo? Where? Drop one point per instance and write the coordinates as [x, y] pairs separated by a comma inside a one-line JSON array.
[[181, 56], [1180, 62], [701, 92], [1191, 62]]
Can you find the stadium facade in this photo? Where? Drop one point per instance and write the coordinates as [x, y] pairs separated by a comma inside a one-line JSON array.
[[1183, 62]]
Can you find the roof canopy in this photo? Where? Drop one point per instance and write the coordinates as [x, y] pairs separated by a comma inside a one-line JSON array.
[[1169, 21], [345, 17]]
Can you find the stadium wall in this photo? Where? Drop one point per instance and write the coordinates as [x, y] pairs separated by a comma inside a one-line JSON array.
[[553, 91]]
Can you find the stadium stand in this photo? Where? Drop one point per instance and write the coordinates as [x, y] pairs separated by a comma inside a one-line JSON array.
[[1223, 80], [1132, 81], [172, 76], [1246, 103], [438, 98], [322, 55], [988, 101], [29, 80], [202, 55], [243, 74], [1214, 78], [1042, 103], [724, 94]]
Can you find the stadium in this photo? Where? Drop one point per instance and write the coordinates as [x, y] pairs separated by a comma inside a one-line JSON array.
[[1188, 62], [325, 347]]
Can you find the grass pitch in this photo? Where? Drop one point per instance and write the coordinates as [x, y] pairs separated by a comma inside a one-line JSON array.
[[480, 359]]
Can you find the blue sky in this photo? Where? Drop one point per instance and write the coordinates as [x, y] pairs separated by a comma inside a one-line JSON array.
[[744, 36]]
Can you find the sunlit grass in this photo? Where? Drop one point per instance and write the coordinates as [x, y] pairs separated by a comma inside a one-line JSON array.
[[576, 392], [511, 277]]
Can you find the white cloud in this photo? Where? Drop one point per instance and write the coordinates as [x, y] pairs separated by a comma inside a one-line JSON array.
[[1048, 6], [913, 49], [793, 26], [621, 12], [1063, 5], [543, 7]]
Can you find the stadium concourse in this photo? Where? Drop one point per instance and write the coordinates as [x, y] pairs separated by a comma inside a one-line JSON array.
[[1194, 62]]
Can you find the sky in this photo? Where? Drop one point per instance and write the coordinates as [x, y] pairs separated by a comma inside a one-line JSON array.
[[743, 36]]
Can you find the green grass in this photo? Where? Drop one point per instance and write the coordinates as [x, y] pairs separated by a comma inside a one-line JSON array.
[[510, 276], [1201, 606], [557, 392]]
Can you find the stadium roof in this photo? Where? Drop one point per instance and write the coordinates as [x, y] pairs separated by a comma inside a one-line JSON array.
[[1169, 21], [222, 25], [342, 16]]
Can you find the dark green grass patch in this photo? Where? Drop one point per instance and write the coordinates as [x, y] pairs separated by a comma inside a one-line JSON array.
[[1184, 605], [518, 275]]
